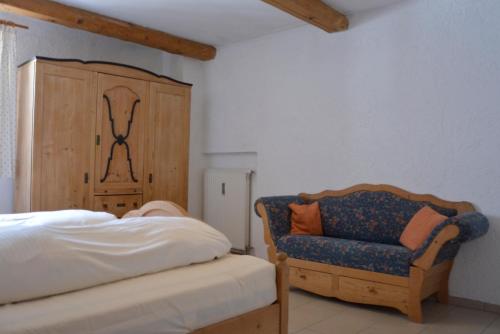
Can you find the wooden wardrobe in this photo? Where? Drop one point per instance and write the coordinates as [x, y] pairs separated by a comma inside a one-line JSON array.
[[99, 136]]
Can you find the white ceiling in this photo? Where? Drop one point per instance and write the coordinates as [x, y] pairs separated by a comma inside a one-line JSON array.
[[216, 22], [353, 6]]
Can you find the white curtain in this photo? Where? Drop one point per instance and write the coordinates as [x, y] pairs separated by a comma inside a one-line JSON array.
[[7, 101]]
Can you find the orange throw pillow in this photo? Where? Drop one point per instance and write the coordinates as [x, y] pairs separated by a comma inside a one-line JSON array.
[[420, 227], [306, 219]]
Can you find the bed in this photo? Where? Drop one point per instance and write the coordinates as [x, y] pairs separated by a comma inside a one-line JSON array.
[[231, 294]]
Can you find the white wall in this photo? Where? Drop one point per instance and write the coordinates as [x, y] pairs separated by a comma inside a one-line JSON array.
[[50, 40], [408, 96], [190, 70]]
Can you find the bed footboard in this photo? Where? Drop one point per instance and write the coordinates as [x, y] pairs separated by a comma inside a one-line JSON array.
[[272, 319]]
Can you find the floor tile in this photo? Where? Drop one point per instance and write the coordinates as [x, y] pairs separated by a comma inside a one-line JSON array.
[[494, 327], [461, 321], [393, 322], [306, 331], [312, 314], [345, 323], [434, 311], [390, 330], [298, 297]]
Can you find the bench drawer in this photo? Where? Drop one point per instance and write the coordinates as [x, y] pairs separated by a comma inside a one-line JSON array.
[[313, 281], [367, 292]]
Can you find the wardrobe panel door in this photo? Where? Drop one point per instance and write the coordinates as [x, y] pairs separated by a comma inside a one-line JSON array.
[[168, 144], [64, 120], [121, 112]]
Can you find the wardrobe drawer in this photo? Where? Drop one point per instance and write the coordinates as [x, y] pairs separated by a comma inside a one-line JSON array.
[[310, 280], [117, 204]]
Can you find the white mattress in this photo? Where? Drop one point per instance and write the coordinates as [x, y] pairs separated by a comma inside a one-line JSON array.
[[174, 301], [62, 253]]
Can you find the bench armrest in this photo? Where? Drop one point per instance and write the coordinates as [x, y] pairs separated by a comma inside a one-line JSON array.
[[456, 229], [275, 213]]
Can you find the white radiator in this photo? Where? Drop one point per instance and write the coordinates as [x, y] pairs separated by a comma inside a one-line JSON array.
[[227, 205]]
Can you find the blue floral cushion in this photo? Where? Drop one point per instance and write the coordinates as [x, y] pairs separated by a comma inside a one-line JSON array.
[[370, 216], [388, 259], [278, 213]]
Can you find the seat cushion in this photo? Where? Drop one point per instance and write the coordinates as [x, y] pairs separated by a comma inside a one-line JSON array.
[[381, 258], [377, 216]]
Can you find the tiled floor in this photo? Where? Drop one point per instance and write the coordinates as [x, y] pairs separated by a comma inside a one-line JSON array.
[[310, 314]]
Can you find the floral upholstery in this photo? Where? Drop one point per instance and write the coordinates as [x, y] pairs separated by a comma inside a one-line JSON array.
[[381, 258], [447, 252], [362, 230], [278, 213], [370, 216], [472, 225]]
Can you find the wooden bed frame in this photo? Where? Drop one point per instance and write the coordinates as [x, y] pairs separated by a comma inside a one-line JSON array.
[[367, 287], [272, 319]]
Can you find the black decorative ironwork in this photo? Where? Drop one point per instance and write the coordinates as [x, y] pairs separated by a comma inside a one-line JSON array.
[[120, 139]]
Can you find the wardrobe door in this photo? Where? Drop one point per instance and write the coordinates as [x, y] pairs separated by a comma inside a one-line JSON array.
[[168, 144], [64, 120], [121, 107]]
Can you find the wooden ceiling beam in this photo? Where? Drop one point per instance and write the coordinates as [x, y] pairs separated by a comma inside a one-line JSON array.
[[73, 17], [315, 12]]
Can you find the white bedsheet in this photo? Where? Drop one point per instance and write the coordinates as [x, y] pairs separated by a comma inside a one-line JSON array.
[[72, 217], [43, 257], [175, 301]]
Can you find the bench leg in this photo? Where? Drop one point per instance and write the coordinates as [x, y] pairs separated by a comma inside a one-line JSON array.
[[415, 311], [442, 294], [415, 293]]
